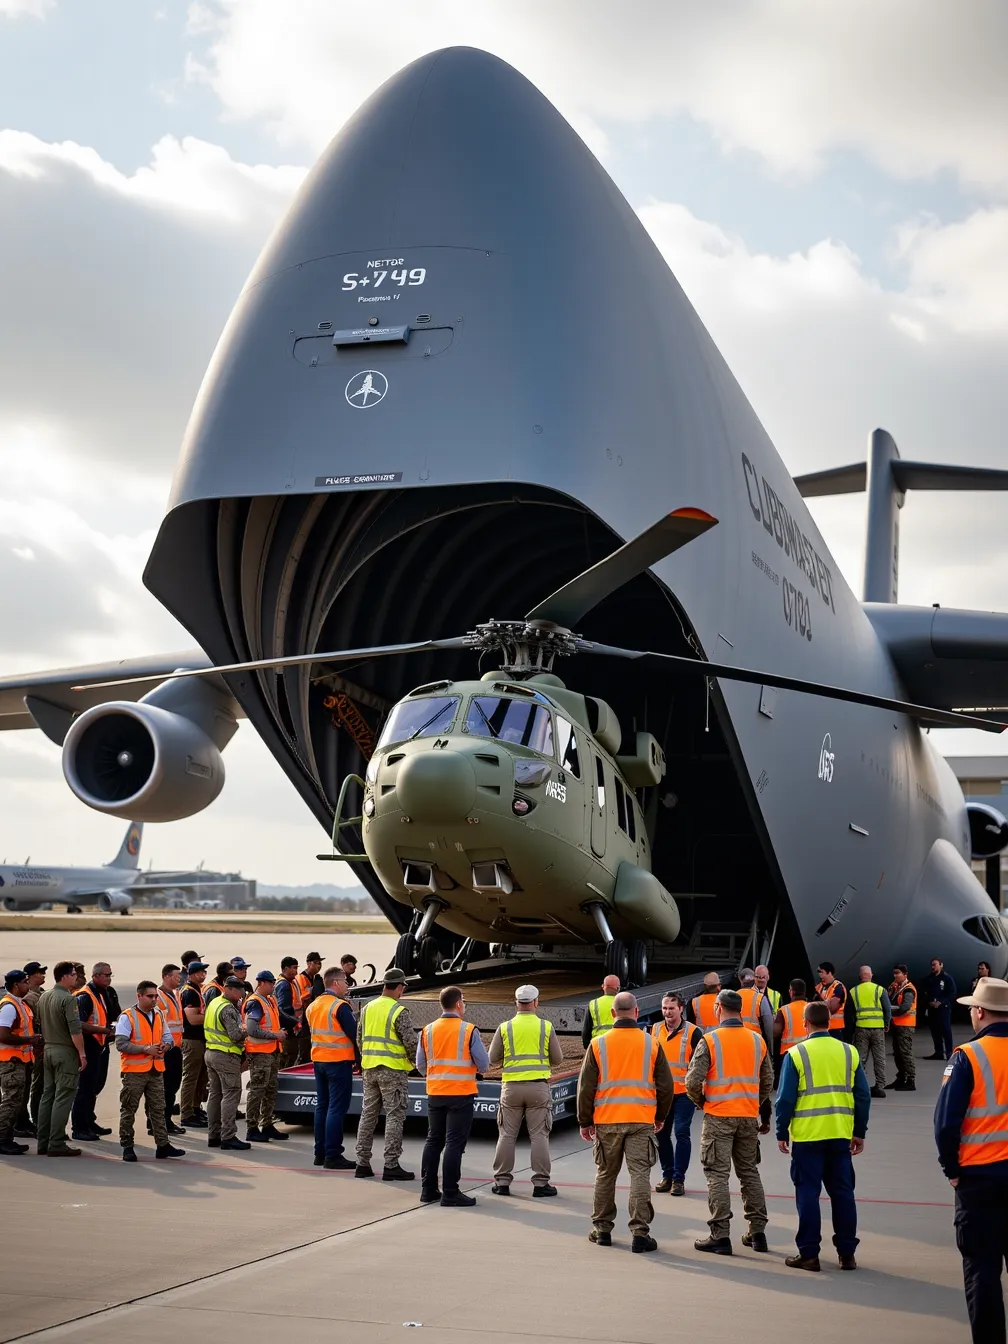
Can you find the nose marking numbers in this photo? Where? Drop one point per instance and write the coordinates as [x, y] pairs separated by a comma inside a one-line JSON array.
[[554, 789]]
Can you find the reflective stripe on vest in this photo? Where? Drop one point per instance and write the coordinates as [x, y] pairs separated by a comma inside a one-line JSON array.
[[867, 1000], [795, 1030], [526, 1041], [143, 1032], [626, 1093], [216, 1034], [897, 995], [732, 1083], [703, 1011], [775, 999], [752, 1000], [329, 1042], [270, 1022], [451, 1070], [304, 983], [984, 1134], [25, 1026], [825, 993], [98, 1018], [600, 1012], [678, 1051], [381, 1043], [171, 1010], [825, 1105]]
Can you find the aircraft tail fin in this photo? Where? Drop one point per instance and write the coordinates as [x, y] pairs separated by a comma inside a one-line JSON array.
[[887, 477], [129, 850]]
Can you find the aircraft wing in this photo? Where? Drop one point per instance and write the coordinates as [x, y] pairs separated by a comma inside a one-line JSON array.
[[945, 657], [44, 699]]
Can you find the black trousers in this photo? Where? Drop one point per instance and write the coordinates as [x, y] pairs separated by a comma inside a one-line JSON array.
[[449, 1120], [981, 1228], [940, 1022], [172, 1079], [92, 1079]]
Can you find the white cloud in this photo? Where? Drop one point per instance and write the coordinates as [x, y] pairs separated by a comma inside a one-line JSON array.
[[960, 270], [910, 84], [16, 9]]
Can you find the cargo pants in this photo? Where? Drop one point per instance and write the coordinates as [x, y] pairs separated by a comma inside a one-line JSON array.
[[13, 1089], [150, 1086], [903, 1054], [530, 1100], [194, 1077], [61, 1071], [639, 1146], [871, 1040], [260, 1100], [384, 1089], [726, 1141], [225, 1074]]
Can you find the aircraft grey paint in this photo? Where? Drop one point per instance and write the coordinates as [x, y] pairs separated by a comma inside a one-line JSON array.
[[459, 373], [28, 886]]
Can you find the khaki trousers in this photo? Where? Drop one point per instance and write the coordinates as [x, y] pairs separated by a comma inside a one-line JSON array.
[[903, 1053], [613, 1143], [62, 1070], [150, 1086], [871, 1040], [194, 1077], [383, 1088], [13, 1090], [225, 1074], [260, 1099], [529, 1101], [726, 1141]]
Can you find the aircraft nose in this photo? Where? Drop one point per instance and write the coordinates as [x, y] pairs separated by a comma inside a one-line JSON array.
[[436, 786]]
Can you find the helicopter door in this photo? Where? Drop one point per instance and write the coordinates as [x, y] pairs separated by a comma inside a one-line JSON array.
[[599, 816]]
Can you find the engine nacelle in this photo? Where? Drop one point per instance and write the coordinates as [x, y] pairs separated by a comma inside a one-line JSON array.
[[14, 906], [114, 902], [158, 760], [988, 830]]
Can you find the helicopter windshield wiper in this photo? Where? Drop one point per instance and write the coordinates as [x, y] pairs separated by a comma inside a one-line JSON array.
[[433, 719], [482, 713]]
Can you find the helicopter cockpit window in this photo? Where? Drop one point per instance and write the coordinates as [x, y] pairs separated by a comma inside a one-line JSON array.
[[419, 718], [517, 721], [567, 750]]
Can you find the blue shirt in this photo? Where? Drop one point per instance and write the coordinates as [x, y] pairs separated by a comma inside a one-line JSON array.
[[787, 1096], [477, 1051], [953, 1101]]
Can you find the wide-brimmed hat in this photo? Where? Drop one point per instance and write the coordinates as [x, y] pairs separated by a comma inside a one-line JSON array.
[[990, 993]]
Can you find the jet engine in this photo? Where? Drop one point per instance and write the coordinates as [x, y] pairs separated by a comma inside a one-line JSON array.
[[114, 902], [158, 760], [14, 906], [988, 830]]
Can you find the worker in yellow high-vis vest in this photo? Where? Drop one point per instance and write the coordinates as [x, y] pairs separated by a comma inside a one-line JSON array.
[[599, 1016], [822, 1115], [387, 1044], [525, 1049], [872, 1013]]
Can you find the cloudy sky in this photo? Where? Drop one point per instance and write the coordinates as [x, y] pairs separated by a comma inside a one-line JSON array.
[[828, 182]]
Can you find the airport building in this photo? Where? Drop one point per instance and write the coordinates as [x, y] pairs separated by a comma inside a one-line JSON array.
[[223, 891]]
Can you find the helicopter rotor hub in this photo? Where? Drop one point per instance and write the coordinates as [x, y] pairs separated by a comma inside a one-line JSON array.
[[527, 647]]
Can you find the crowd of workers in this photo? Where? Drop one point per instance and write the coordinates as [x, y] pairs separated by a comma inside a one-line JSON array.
[[724, 1052]]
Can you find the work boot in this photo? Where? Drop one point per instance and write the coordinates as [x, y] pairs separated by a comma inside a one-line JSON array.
[[664, 1185], [101, 1129], [430, 1196], [879, 1093], [896, 1084], [678, 1187], [85, 1136], [271, 1132], [543, 1191], [339, 1164], [168, 1150], [235, 1145], [457, 1200], [25, 1131], [847, 1261], [129, 1154], [904, 1087], [213, 1143], [64, 1151], [809, 1262], [320, 1159], [362, 1170], [195, 1121], [255, 1135], [641, 1245], [716, 1245], [498, 1189], [11, 1149], [397, 1173], [173, 1128], [756, 1241], [600, 1238]]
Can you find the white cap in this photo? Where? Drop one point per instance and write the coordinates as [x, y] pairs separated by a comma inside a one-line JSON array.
[[526, 994]]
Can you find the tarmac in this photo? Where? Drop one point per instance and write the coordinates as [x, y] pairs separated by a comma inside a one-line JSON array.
[[238, 1245]]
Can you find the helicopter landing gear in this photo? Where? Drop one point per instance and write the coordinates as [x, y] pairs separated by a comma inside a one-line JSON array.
[[406, 954], [638, 959], [416, 951], [617, 961], [73, 910], [428, 960]]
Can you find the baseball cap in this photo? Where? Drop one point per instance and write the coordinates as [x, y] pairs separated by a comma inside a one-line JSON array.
[[14, 978], [989, 992], [239, 963], [33, 967], [394, 976], [197, 966], [526, 994], [265, 975], [232, 982], [314, 956]]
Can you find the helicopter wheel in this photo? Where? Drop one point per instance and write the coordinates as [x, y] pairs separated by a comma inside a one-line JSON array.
[[638, 962], [617, 961], [406, 954], [428, 958]]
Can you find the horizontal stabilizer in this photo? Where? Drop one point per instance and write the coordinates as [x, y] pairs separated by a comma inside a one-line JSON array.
[[853, 478], [955, 659]]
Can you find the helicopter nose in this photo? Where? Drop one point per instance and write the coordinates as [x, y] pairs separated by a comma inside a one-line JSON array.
[[436, 786]]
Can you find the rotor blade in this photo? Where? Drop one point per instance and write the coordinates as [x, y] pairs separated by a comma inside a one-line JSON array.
[[946, 718], [568, 604], [295, 660]]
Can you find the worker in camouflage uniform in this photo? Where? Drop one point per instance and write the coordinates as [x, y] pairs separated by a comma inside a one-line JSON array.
[[730, 1078], [18, 1043], [263, 1046], [387, 1044]]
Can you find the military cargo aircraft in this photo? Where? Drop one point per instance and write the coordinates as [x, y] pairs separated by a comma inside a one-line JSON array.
[[461, 377]]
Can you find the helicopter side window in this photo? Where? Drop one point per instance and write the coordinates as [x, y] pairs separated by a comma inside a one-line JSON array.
[[419, 718], [599, 784], [516, 721], [631, 824], [620, 805], [567, 750]]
